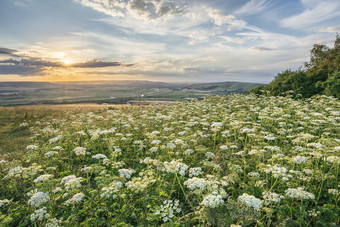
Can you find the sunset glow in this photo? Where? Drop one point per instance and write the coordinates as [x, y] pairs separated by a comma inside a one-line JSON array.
[[174, 40]]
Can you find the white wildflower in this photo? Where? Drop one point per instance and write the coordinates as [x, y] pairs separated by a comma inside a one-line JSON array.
[[168, 210], [77, 198], [299, 193], [194, 172], [175, 167], [126, 172], [213, 200], [80, 151], [250, 201], [99, 156], [38, 198], [195, 183], [40, 215], [42, 178]]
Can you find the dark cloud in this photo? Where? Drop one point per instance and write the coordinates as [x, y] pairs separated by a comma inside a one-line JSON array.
[[96, 64], [262, 48], [22, 70], [32, 62], [7, 51], [35, 66]]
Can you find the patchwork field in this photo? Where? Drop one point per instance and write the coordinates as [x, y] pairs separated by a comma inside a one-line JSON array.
[[112, 92], [237, 160]]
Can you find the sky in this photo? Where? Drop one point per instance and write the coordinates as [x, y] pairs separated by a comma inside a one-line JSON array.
[[161, 40]]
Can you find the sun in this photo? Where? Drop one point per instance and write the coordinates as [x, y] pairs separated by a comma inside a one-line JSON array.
[[66, 61]]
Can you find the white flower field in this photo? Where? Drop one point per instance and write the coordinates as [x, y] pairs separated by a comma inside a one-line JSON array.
[[238, 160]]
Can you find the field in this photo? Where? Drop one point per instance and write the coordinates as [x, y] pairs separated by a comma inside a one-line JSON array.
[[237, 160], [111, 92]]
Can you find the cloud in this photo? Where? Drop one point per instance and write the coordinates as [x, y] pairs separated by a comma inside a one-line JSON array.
[[262, 48], [98, 64], [315, 13], [218, 17], [147, 10], [7, 51], [253, 7], [329, 29]]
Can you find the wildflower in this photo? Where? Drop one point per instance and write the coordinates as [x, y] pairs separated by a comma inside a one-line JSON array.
[[39, 215], [209, 155], [57, 189], [299, 159], [42, 178], [224, 147], [51, 153], [24, 124], [156, 142], [77, 198], [213, 200], [299, 193], [250, 201], [153, 149], [216, 124], [112, 190], [175, 167], [171, 145], [271, 197], [82, 133], [54, 222], [58, 148], [4, 202], [168, 209], [31, 147], [188, 151], [80, 151], [195, 183], [333, 192], [254, 174], [99, 156], [55, 139], [126, 172], [38, 198], [193, 172], [315, 145], [86, 168], [71, 182]]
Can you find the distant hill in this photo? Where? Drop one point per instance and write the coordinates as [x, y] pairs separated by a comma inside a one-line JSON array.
[[114, 92], [321, 75]]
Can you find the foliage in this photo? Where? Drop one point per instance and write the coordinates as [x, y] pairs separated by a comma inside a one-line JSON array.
[[321, 75]]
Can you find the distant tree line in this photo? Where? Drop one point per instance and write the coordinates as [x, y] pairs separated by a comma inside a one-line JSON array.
[[321, 75]]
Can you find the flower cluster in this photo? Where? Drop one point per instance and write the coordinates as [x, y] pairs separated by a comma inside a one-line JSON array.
[[126, 172], [111, 190], [77, 198], [80, 151], [213, 200], [175, 167], [299, 193], [38, 198], [71, 182], [168, 209], [195, 183], [39, 215], [250, 201]]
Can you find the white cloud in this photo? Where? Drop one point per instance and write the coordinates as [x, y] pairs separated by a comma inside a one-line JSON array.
[[315, 13], [147, 10], [218, 17], [329, 29], [254, 7]]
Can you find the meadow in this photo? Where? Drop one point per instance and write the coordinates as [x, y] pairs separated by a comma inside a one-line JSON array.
[[237, 160]]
